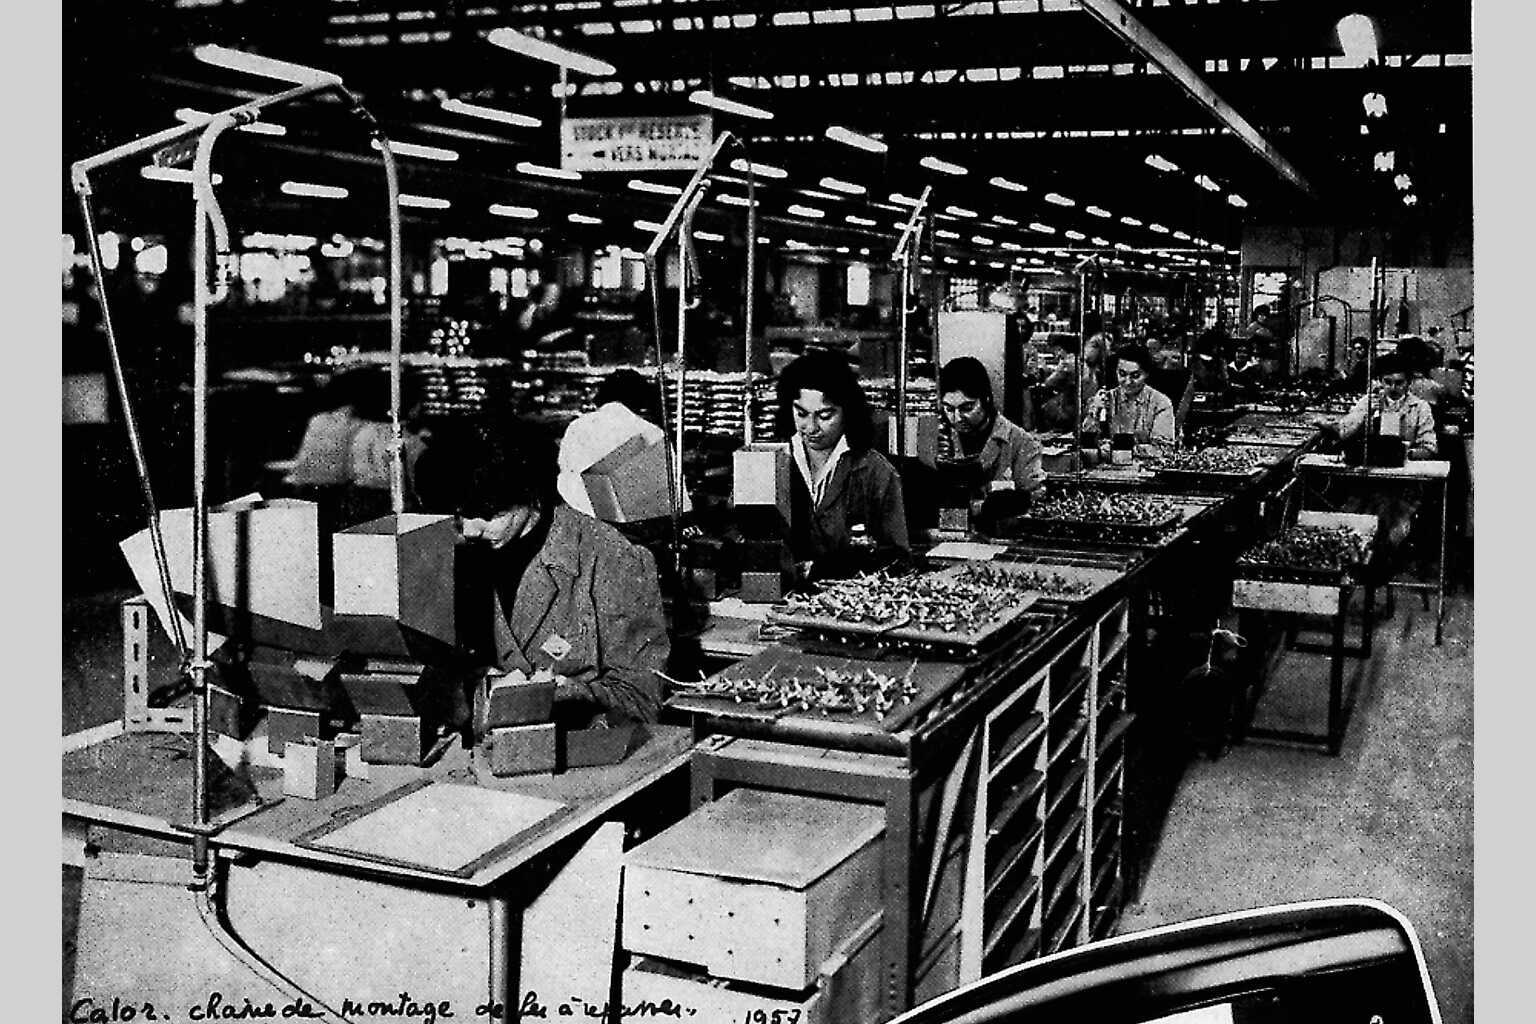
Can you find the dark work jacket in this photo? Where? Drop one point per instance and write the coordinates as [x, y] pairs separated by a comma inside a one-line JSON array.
[[864, 488], [588, 607]]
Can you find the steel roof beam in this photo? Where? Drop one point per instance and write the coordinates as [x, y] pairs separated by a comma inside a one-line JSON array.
[[1114, 16]]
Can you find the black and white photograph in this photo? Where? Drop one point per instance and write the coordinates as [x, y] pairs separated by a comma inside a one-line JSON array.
[[747, 512]]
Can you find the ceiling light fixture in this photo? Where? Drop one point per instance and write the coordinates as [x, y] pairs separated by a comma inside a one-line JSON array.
[[1403, 182], [1161, 163], [959, 211], [933, 163], [1357, 38], [1056, 198], [1000, 219], [946, 233], [1206, 182], [1375, 104], [647, 225], [705, 98], [1076, 236], [268, 67], [709, 236], [491, 114], [839, 185], [1410, 200], [1130, 221], [1236, 200], [805, 211], [424, 202], [854, 139], [1011, 186], [761, 170], [640, 185], [1385, 160], [582, 218], [1160, 229], [411, 149], [861, 221], [311, 190], [983, 240], [1099, 211], [541, 171], [730, 200], [1042, 228], [897, 197], [538, 49], [519, 212]]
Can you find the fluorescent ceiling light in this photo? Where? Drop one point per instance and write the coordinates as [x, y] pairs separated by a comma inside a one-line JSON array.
[[1386, 160], [640, 185], [1000, 219], [709, 236], [1237, 200], [1058, 199], [861, 221], [1096, 240], [838, 185], [1160, 229], [1161, 163], [760, 170], [1131, 221], [188, 115], [1076, 236], [805, 211], [1403, 182], [424, 202], [268, 67], [1013, 246], [177, 174], [1206, 182], [582, 218], [983, 240], [306, 188], [1122, 247], [1357, 37], [730, 200], [897, 197], [1181, 235], [1043, 228], [1099, 211], [959, 211], [857, 141], [538, 49], [420, 152], [705, 98], [541, 171], [490, 114], [946, 233], [933, 163], [1375, 104], [1410, 200], [1012, 186], [818, 194], [520, 212], [647, 225]]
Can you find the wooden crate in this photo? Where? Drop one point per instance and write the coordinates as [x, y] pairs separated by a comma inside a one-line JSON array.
[[757, 886], [846, 989]]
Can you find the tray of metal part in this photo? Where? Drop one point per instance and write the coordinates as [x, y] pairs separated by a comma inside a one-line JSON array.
[[946, 606], [1065, 584], [1097, 514], [1323, 549], [1234, 463]]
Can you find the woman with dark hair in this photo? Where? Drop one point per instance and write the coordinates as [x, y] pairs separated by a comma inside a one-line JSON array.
[[1003, 449], [1131, 407], [572, 596], [841, 487]]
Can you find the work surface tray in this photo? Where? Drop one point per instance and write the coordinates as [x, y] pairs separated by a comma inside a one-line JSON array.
[[763, 836]]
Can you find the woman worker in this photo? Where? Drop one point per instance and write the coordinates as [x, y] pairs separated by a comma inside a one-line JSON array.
[[841, 487], [1003, 450], [571, 595], [1131, 407]]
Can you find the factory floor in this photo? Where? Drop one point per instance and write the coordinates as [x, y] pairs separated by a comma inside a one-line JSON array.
[[1389, 818]]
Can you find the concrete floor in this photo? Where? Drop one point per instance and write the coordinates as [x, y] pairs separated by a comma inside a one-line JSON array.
[[1389, 818]]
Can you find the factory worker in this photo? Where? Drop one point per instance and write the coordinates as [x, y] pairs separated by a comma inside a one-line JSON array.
[[1401, 413], [1003, 450], [570, 594], [846, 503], [1131, 407]]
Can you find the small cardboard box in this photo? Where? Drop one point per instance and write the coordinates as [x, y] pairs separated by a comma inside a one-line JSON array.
[[630, 483], [757, 886], [762, 587], [760, 476], [399, 568], [587, 748], [393, 739], [517, 700], [922, 438], [523, 750], [288, 725], [309, 769]]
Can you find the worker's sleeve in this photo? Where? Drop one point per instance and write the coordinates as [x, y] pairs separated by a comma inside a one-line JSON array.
[[893, 510], [1089, 421], [1162, 421], [631, 635], [1423, 445], [1353, 421], [1028, 466]]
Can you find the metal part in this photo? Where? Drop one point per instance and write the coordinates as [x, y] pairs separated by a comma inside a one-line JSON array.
[[1114, 16]]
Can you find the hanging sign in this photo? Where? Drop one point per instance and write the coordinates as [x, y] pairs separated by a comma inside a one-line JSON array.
[[672, 143]]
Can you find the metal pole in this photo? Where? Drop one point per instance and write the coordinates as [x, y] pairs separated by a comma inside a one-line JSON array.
[[902, 355], [135, 443], [751, 303], [1082, 355], [396, 330], [682, 366]]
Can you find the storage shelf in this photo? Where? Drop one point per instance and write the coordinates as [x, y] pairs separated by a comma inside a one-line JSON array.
[[1069, 834], [1066, 884], [1064, 935], [1077, 683], [1010, 916], [1025, 850], [1108, 783], [1116, 729], [1032, 729], [1101, 834], [1067, 784], [1103, 873], [1067, 742], [1027, 790]]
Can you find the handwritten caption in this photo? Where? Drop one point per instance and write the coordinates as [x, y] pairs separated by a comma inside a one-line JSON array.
[[402, 1006]]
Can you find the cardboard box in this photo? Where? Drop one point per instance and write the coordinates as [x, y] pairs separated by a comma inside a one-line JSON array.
[[288, 725], [523, 750], [760, 475], [587, 748], [922, 438], [519, 701], [309, 769], [399, 568], [393, 739], [757, 886], [762, 587], [630, 483]]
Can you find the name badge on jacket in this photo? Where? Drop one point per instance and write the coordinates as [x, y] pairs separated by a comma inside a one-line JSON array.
[[556, 646]]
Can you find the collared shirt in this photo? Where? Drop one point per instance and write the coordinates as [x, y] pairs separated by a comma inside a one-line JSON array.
[[1415, 422], [1148, 416], [816, 483], [1009, 453]]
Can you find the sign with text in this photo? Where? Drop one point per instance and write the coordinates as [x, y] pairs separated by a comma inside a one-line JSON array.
[[671, 143]]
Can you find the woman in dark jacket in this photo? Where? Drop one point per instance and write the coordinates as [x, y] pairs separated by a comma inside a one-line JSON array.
[[841, 488]]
